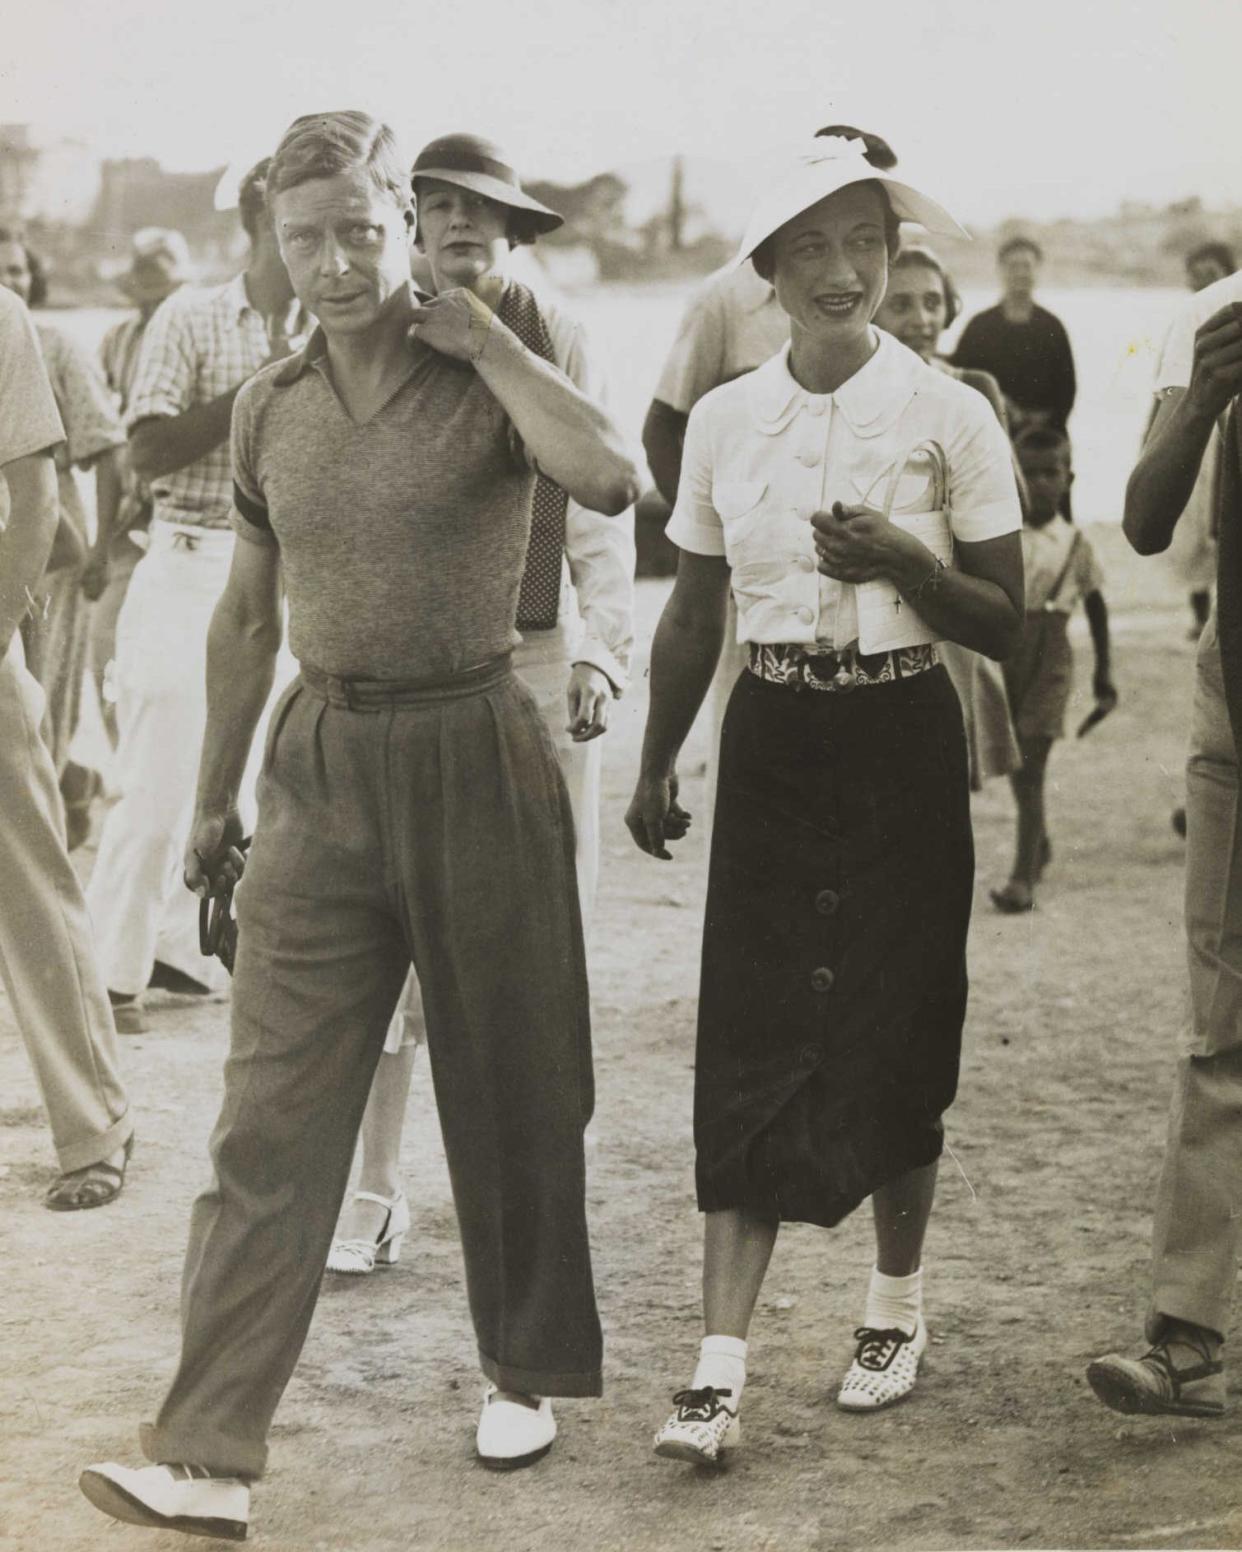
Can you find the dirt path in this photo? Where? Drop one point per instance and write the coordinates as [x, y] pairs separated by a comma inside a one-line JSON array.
[[1036, 1261]]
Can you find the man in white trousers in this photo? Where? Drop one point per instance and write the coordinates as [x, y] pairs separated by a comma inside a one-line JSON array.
[[198, 350]]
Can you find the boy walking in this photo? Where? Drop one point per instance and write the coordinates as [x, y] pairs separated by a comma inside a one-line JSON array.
[[1061, 568]]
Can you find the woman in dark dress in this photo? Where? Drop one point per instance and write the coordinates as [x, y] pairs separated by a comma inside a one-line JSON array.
[[862, 506]]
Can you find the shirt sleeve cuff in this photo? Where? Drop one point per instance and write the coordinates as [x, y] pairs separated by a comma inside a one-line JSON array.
[[245, 529], [150, 408], [592, 651], [989, 522], [699, 539]]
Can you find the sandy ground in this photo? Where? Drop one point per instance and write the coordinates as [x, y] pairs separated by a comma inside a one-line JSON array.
[[1037, 1256]]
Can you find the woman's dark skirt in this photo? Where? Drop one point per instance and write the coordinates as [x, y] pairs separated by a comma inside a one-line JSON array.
[[834, 949]]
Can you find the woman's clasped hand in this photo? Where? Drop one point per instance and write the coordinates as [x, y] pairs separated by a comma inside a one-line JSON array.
[[858, 544]]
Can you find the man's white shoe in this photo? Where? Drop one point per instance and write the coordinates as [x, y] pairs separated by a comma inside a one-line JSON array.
[[513, 1433], [157, 1496], [884, 1370]]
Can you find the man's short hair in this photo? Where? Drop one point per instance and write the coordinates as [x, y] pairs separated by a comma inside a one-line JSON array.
[[252, 198], [1045, 439], [323, 145], [1213, 253], [1019, 245]]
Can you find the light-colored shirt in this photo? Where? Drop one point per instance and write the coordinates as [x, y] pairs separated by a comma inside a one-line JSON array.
[[1044, 553], [732, 324], [762, 455], [1177, 357], [87, 412], [199, 344], [402, 538], [29, 419], [596, 620]]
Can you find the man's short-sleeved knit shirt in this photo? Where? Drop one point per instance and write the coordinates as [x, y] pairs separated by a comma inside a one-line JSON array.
[[402, 539]]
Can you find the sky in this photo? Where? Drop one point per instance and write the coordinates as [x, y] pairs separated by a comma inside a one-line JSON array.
[[1061, 107]]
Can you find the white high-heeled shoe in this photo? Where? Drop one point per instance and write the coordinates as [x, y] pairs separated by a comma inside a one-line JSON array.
[[356, 1257]]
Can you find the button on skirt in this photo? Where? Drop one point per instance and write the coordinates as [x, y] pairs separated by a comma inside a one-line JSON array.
[[833, 987]]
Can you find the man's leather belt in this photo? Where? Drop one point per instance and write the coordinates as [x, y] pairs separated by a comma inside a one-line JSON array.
[[357, 694]]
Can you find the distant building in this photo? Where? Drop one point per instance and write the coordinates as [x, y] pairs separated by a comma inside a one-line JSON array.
[[137, 192], [49, 181]]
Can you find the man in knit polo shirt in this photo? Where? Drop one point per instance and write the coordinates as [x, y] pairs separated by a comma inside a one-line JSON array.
[[411, 807]]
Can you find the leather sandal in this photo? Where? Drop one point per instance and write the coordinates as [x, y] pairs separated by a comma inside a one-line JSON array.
[[1153, 1384], [94, 1186], [357, 1257]]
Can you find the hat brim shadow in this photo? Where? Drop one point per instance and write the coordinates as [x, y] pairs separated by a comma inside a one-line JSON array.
[[544, 220]]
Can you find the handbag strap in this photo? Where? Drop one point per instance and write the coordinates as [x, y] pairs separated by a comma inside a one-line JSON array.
[[1054, 592], [940, 476]]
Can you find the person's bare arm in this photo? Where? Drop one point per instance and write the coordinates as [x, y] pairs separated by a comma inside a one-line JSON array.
[[109, 490], [684, 655], [1097, 621], [1164, 476], [26, 540], [570, 439], [162, 444], [664, 432], [242, 642]]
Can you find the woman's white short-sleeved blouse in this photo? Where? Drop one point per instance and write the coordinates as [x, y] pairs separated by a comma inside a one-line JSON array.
[[762, 455]]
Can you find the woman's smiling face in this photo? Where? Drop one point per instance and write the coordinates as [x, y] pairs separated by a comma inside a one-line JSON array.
[[914, 307], [830, 264]]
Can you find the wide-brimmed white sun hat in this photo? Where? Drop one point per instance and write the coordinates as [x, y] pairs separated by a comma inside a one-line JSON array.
[[822, 167]]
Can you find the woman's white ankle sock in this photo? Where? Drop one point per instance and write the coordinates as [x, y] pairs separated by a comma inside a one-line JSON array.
[[894, 1302], [722, 1365]]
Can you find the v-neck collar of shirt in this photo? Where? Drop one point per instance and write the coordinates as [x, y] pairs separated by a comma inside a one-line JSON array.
[[871, 401], [314, 356]]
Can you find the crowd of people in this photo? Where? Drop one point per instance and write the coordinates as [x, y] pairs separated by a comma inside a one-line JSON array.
[[378, 441]]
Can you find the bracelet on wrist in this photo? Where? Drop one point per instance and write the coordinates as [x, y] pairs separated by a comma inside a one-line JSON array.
[[931, 580]]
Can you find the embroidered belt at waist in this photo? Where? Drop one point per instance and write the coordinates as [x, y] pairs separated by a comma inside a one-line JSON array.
[[358, 694], [783, 663]]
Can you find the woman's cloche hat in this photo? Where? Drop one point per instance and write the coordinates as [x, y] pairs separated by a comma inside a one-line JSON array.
[[471, 162], [822, 167]]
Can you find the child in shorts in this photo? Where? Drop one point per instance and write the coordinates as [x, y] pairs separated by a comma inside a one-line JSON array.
[[1061, 568]]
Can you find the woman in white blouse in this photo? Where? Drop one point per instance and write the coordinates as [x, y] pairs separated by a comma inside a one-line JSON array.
[[862, 506]]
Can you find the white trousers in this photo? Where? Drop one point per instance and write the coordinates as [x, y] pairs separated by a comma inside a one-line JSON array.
[[141, 909], [545, 671]]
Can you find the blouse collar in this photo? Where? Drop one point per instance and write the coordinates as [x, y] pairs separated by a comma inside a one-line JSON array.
[[871, 401]]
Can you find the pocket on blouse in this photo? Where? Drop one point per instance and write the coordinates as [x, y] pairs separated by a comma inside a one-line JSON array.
[[734, 498], [739, 504]]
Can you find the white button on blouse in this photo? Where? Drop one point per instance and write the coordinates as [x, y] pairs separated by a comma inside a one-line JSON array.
[[762, 455]]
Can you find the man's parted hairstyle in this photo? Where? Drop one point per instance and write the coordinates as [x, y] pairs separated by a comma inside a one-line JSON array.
[[323, 145], [252, 198]]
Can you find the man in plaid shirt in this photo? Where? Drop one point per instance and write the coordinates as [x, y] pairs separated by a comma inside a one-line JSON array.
[[198, 350]]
